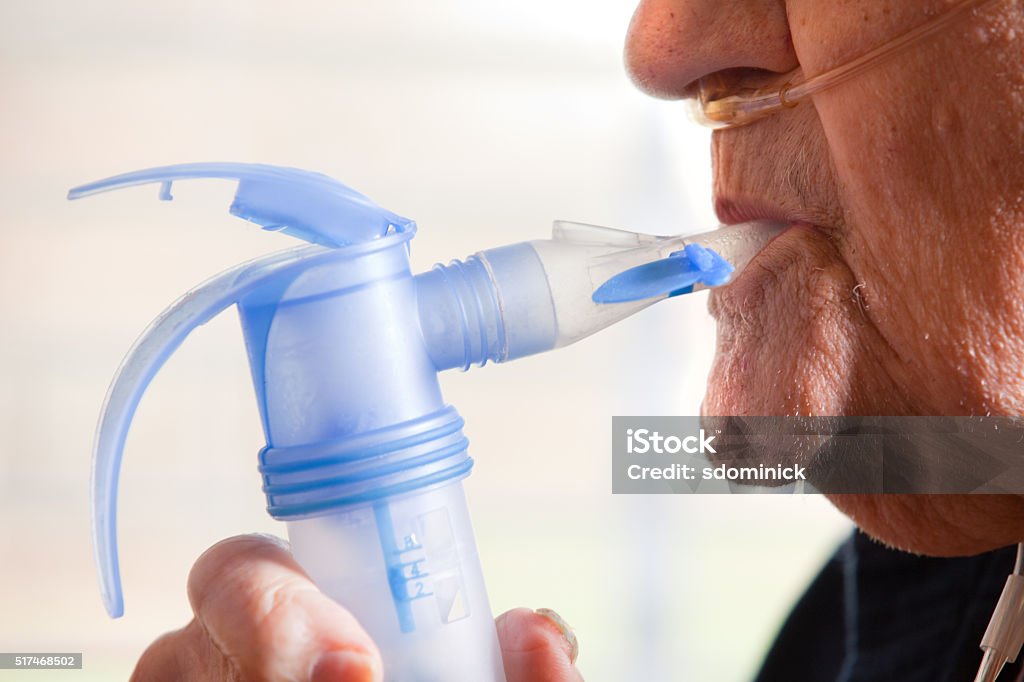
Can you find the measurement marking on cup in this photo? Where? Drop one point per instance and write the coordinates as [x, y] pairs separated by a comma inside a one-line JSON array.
[[405, 573], [415, 572]]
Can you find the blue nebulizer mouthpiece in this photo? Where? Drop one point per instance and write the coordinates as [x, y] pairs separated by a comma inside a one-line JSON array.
[[364, 459], [672, 276]]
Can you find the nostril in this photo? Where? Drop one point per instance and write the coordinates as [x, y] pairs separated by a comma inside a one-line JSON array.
[[673, 44]]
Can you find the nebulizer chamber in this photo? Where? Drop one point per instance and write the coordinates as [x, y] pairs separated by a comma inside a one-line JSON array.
[[364, 459]]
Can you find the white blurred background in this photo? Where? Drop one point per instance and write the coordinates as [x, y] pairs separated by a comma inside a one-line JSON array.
[[481, 120]]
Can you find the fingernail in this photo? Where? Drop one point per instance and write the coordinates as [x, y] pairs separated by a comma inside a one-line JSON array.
[[344, 665], [567, 632]]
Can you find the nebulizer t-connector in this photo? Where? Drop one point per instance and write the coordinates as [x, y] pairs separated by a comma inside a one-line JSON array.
[[364, 459]]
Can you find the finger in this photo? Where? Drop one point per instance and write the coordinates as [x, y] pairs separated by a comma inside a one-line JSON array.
[[185, 654], [265, 616], [537, 646]]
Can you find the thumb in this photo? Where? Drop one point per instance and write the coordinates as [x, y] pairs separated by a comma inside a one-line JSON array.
[[537, 646]]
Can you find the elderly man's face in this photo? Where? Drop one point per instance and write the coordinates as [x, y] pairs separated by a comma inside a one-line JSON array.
[[900, 289]]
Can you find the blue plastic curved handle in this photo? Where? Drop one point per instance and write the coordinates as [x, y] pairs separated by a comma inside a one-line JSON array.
[[309, 206], [139, 367], [306, 205]]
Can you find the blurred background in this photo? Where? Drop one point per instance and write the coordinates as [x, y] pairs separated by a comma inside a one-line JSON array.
[[483, 121]]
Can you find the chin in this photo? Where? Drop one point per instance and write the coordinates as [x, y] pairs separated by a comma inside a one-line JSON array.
[[792, 341], [937, 525]]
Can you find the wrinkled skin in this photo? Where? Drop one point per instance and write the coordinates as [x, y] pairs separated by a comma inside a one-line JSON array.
[[900, 290]]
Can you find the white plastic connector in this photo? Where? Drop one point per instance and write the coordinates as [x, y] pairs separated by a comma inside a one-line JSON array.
[[1005, 633]]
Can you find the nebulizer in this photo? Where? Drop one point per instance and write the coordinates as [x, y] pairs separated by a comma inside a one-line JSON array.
[[364, 458]]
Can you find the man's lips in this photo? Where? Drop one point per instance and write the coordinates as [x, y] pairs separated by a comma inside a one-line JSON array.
[[732, 210], [774, 256]]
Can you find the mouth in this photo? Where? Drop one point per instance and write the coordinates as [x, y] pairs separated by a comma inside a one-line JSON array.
[[731, 211]]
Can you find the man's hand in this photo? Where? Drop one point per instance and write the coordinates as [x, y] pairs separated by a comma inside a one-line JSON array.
[[258, 617]]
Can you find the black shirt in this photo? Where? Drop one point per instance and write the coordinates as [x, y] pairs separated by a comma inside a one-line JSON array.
[[874, 614]]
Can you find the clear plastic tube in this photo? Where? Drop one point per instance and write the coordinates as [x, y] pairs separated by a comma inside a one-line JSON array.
[[718, 105]]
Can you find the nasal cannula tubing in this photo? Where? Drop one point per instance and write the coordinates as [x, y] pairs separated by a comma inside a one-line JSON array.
[[1005, 633]]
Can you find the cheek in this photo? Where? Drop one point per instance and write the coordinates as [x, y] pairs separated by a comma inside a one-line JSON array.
[[939, 260], [925, 176]]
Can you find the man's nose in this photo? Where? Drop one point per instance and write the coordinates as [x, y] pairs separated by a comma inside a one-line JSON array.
[[673, 43]]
